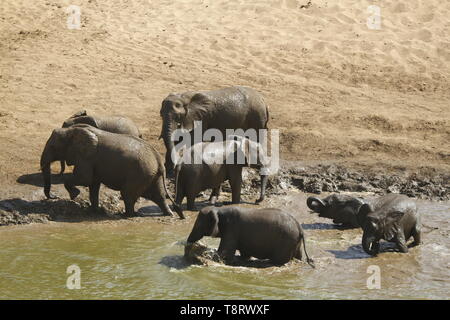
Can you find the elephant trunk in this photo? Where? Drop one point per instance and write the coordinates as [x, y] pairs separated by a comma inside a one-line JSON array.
[[168, 127], [368, 244], [315, 204], [46, 160], [264, 179]]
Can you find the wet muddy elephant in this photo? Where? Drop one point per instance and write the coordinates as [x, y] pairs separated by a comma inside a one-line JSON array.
[[261, 233], [114, 124], [120, 162], [228, 108], [218, 162], [393, 218]]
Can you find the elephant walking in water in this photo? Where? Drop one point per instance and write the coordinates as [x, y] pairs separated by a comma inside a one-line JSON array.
[[261, 233], [228, 108], [121, 162], [114, 124]]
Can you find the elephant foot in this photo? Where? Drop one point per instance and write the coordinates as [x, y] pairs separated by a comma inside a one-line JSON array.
[[73, 193]]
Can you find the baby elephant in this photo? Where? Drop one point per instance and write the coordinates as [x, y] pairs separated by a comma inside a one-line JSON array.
[[114, 124], [261, 233], [218, 162], [121, 162], [393, 218]]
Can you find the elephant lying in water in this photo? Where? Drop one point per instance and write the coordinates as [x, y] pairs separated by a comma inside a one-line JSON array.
[[261, 233], [121, 162], [343, 209], [234, 107], [114, 124], [392, 217], [220, 161]]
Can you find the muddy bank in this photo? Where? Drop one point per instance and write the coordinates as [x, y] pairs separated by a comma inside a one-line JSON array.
[[427, 184]]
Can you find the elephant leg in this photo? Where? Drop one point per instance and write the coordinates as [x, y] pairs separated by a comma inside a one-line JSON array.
[[81, 176], [298, 252], [180, 195], [214, 195], [129, 204], [235, 179], [417, 237], [158, 196], [93, 194], [227, 247]]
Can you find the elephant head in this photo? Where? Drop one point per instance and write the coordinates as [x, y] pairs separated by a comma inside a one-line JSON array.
[[72, 144], [377, 225], [80, 117], [206, 224], [180, 111], [341, 208]]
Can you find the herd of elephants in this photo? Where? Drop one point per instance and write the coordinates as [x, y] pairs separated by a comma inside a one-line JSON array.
[[110, 151]]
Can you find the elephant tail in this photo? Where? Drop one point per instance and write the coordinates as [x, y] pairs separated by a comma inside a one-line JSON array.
[[308, 259], [176, 207]]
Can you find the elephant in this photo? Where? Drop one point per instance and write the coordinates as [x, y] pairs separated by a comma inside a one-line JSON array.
[[120, 162], [220, 161], [233, 107], [114, 124], [266, 233], [343, 209], [393, 218]]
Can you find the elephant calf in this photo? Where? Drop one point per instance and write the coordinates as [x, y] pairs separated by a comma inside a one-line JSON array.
[[343, 209], [393, 218], [114, 124], [220, 161], [121, 162], [261, 233]]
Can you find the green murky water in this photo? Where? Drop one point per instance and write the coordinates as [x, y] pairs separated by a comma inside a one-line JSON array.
[[143, 259]]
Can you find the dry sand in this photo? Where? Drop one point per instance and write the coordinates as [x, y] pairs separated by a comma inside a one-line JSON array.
[[338, 91]]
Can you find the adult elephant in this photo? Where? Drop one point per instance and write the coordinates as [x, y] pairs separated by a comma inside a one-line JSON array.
[[121, 162], [234, 107], [261, 233], [114, 124]]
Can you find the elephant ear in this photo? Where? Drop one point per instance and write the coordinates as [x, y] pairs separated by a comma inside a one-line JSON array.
[[391, 224], [363, 211], [82, 145], [198, 106]]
